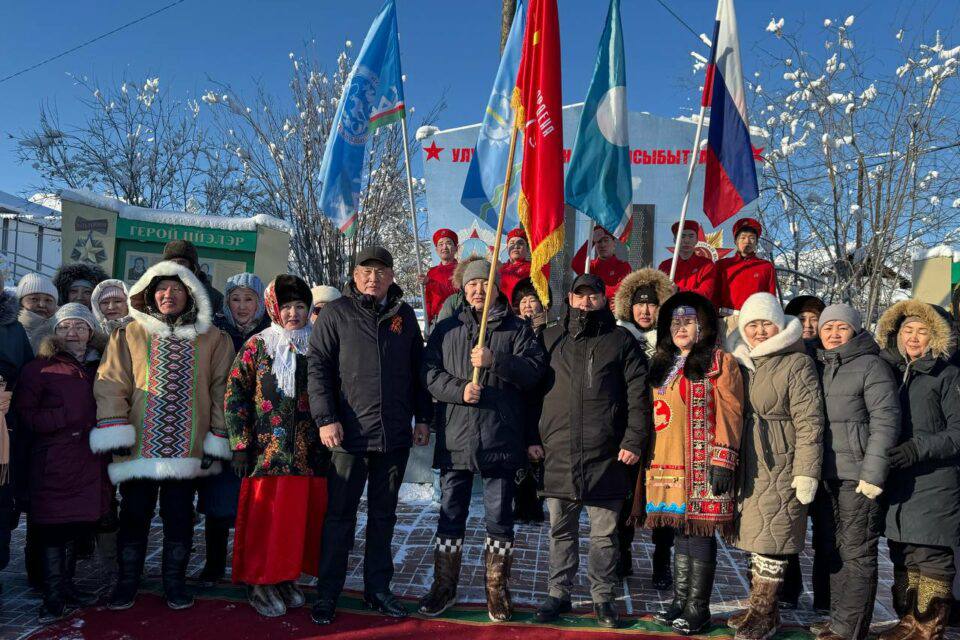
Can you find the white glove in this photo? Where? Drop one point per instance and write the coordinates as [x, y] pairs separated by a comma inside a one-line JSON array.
[[806, 488], [871, 491]]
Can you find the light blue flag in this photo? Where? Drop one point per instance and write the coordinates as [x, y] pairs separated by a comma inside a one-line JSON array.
[[598, 181], [372, 97], [483, 189]]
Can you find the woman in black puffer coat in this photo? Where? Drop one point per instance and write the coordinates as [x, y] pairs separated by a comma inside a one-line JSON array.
[[923, 488], [863, 423]]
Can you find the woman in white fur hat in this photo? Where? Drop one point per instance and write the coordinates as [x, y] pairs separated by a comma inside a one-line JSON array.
[[780, 452]]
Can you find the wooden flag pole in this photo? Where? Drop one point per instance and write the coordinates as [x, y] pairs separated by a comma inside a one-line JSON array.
[[496, 245], [413, 220]]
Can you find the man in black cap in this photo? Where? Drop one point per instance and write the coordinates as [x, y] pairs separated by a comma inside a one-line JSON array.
[[595, 424], [184, 253], [365, 391]]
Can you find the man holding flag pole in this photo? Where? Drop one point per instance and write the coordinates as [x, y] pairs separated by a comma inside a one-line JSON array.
[[536, 104], [467, 406]]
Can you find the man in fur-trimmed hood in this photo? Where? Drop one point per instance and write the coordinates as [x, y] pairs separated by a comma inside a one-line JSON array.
[[159, 392], [637, 303]]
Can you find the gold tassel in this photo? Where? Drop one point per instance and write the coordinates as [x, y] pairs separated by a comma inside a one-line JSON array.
[[931, 589]]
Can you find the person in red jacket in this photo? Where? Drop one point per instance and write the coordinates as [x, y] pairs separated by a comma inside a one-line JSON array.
[[518, 268], [438, 282], [606, 265], [744, 274], [695, 272]]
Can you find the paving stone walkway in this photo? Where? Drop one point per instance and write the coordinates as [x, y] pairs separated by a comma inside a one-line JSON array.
[[413, 559]]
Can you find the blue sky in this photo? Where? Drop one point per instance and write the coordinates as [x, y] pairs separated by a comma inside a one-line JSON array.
[[448, 46]]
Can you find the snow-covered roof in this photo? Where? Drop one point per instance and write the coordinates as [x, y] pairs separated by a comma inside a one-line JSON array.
[[21, 208], [939, 251], [131, 212]]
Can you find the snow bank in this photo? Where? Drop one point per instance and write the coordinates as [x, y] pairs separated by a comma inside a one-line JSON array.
[[173, 217], [416, 493]]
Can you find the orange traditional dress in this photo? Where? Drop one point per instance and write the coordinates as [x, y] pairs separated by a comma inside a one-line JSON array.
[[696, 424]]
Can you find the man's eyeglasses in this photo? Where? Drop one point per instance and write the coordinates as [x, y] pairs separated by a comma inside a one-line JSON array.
[[366, 272]]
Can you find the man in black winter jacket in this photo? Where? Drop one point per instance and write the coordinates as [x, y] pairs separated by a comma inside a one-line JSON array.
[[595, 422], [365, 391], [483, 432]]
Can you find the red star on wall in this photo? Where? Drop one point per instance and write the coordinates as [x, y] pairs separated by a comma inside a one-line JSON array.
[[433, 151], [756, 153]]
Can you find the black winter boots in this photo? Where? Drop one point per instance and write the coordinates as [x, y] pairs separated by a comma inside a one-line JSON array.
[[130, 559], [176, 555]]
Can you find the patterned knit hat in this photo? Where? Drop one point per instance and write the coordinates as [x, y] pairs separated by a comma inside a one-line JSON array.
[[245, 280], [75, 311], [36, 283]]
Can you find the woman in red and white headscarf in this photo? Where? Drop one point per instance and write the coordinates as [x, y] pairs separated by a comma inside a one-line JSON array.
[[277, 452]]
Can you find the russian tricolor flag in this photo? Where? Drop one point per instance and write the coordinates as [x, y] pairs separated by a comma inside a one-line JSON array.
[[731, 180]]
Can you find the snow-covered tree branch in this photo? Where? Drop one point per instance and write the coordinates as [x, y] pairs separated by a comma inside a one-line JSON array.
[[280, 143], [862, 164], [140, 145]]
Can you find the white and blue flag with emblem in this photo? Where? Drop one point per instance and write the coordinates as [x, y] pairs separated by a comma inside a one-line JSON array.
[[598, 181], [483, 188], [372, 97]]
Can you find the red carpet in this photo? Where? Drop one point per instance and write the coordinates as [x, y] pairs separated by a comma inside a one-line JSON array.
[[230, 617]]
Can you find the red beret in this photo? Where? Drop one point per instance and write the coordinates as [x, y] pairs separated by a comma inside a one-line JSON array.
[[517, 233], [688, 225], [746, 223], [439, 234]]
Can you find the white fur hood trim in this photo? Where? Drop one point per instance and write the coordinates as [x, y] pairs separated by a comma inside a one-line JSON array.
[[200, 300]]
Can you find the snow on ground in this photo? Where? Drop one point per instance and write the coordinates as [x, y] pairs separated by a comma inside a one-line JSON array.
[[416, 493]]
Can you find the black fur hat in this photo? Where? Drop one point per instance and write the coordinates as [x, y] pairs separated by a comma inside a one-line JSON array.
[[67, 274], [288, 288], [699, 360]]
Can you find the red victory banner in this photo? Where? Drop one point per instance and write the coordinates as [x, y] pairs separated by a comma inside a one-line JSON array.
[[537, 101]]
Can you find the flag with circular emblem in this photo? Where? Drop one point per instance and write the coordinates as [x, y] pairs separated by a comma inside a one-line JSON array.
[[598, 181]]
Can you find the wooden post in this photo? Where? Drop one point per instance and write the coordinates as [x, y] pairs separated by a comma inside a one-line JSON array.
[[496, 245]]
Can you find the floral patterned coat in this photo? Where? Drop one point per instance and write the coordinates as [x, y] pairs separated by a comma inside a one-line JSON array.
[[277, 432]]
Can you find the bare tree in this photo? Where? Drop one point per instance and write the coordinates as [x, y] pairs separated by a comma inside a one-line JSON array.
[[281, 142], [138, 144], [862, 163]]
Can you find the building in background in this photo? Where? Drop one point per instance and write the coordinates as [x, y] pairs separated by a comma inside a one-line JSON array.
[[660, 150], [29, 237], [126, 240]]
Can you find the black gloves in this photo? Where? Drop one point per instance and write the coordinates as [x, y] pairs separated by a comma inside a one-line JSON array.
[[721, 480], [206, 462], [239, 464], [122, 452], [904, 455]]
